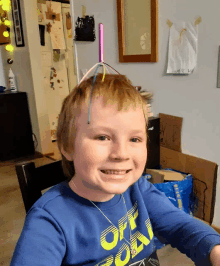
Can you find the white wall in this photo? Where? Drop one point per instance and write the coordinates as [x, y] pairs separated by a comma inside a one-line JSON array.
[[2, 73], [193, 97]]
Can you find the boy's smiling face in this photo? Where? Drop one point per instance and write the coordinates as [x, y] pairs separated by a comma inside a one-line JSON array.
[[118, 147]]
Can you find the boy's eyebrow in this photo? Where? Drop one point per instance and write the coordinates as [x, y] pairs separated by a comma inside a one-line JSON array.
[[111, 129]]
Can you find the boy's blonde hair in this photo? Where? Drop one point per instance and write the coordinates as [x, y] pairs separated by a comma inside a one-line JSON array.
[[114, 89]]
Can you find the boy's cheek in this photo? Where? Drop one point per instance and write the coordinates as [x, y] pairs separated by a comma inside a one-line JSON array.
[[94, 153]]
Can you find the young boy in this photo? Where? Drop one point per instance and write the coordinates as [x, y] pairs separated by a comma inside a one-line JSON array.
[[107, 213]]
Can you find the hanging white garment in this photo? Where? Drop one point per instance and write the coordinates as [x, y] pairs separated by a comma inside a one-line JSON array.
[[183, 48]]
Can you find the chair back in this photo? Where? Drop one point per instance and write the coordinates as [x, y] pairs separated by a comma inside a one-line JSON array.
[[32, 180]]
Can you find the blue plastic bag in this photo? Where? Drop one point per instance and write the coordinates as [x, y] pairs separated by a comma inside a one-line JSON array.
[[180, 193]]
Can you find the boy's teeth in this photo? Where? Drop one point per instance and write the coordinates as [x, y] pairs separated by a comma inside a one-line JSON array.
[[111, 172]]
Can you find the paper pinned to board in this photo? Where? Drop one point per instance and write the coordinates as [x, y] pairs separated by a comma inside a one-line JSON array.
[[57, 37], [56, 33], [46, 58], [183, 47], [53, 11], [170, 131]]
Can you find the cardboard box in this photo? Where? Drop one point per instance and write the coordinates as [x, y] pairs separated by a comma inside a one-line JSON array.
[[160, 176], [170, 131], [204, 172], [156, 176]]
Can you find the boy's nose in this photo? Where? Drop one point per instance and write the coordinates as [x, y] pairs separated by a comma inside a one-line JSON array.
[[119, 152]]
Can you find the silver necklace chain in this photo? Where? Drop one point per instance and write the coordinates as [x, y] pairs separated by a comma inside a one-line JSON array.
[[132, 250]]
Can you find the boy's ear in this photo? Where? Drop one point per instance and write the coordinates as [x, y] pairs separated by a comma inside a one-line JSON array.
[[66, 154]]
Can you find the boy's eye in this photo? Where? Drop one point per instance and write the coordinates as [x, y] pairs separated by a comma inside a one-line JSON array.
[[137, 139], [103, 138]]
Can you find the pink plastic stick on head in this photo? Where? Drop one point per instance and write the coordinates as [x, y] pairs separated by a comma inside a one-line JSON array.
[[101, 43]]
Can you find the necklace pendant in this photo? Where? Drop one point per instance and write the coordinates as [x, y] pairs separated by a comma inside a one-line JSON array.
[[133, 251]]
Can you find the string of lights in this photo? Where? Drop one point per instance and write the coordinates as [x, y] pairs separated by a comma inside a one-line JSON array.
[[5, 7]]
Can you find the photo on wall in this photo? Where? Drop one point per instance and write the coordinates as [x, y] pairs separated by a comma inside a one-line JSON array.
[[18, 30]]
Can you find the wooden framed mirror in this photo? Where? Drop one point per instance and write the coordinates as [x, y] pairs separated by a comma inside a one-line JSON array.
[[137, 30]]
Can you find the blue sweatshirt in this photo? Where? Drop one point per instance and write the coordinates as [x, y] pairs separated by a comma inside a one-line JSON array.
[[63, 228]]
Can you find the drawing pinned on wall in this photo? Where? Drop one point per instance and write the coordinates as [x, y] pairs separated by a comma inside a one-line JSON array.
[[183, 47]]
